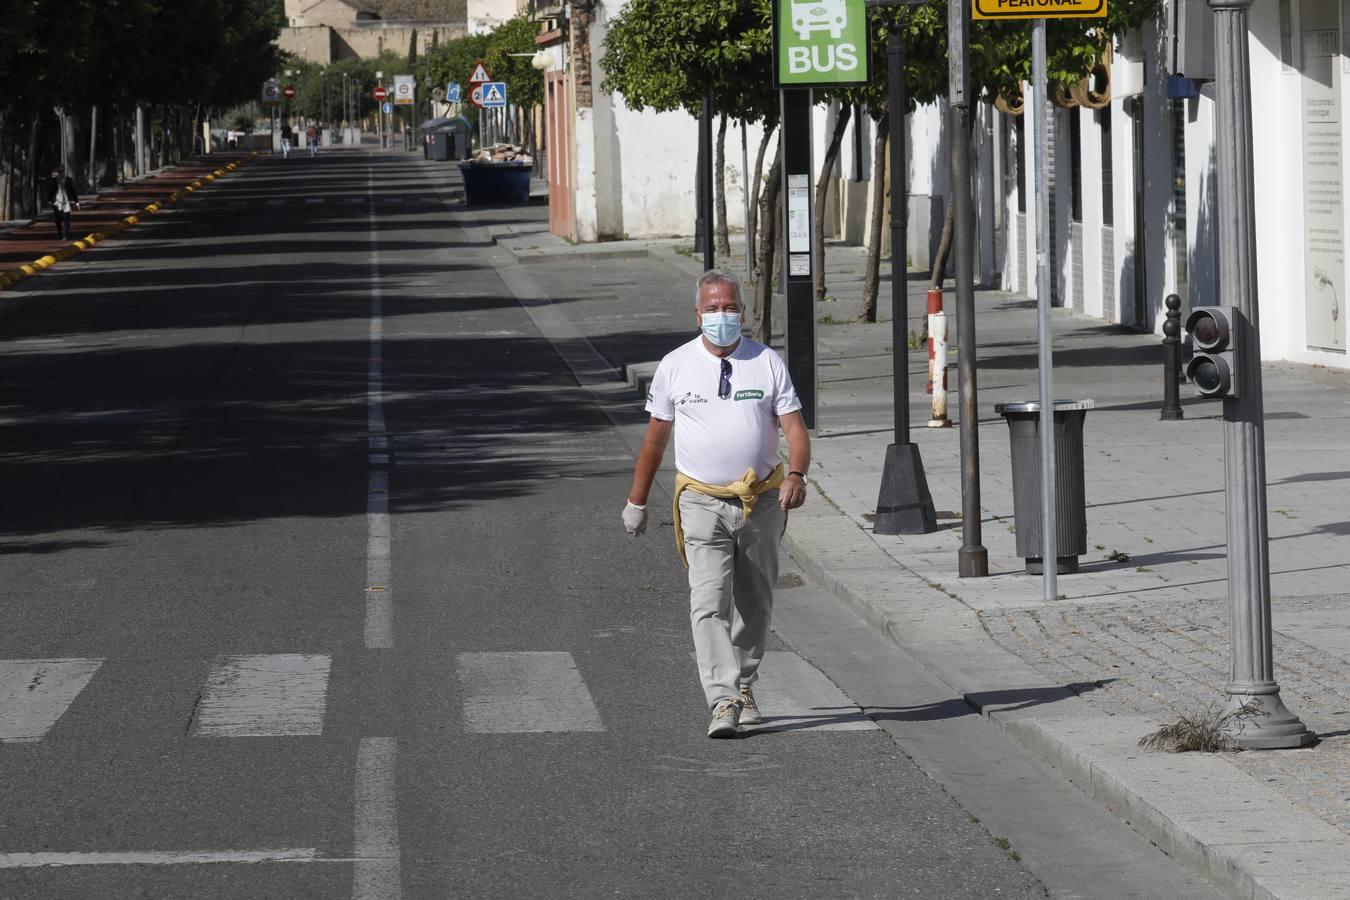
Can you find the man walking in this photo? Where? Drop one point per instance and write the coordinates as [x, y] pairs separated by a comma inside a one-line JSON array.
[[725, 397], [61, 195]]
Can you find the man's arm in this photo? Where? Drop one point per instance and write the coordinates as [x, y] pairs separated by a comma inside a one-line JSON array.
[[649, 459], [793, 492]]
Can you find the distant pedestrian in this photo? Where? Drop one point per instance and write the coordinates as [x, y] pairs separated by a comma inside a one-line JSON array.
[[312, 139], [725, 397], [62, 196], [286, 135]]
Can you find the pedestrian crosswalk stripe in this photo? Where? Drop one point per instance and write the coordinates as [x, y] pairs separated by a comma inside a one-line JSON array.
[[794, 695], [264, 696], [525, 692], [35, 693], [156, 857]]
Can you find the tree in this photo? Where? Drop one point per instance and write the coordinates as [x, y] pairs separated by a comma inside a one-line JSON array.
[[668, 54]]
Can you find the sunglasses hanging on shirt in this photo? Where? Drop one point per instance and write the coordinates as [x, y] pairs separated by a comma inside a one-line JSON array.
[[724, 383]]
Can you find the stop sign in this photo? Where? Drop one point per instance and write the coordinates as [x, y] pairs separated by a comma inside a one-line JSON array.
[[381, 93], [289, 90]]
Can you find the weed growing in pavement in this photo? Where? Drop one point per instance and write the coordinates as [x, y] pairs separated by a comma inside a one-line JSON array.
[[1006, 847], [914, 342], [1206, 731], [685, 251], [1116, 555], [1148, 540], [1143, 569]]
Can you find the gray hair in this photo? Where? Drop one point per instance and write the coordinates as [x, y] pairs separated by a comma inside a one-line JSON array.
[[716, 276]]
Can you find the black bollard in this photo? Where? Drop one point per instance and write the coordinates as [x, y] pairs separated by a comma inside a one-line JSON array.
[[1172, 359]]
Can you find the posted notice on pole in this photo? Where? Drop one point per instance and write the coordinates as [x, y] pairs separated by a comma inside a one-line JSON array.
[[1037, 9]]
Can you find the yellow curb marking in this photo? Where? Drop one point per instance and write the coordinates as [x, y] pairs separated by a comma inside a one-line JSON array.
[[17, 274]]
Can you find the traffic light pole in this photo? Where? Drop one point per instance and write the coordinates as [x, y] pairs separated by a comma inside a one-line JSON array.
[[1252, 679]]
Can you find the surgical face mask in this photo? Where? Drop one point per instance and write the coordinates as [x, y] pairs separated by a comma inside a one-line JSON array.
[[722, 329]]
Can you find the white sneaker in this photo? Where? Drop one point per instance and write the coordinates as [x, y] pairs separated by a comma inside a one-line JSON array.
[[749, 709], [726, 720]]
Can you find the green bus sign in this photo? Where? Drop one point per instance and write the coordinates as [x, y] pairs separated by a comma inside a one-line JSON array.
[[820, 43]]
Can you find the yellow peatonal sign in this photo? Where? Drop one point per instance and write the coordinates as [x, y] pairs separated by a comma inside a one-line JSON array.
[[1037, 9]]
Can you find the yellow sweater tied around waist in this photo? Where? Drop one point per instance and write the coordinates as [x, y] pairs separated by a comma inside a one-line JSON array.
[[747, 490]]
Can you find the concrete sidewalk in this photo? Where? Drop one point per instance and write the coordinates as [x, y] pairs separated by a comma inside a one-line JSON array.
[[1139, 637]]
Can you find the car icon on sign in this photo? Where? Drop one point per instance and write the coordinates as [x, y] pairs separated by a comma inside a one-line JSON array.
[[819, 15]]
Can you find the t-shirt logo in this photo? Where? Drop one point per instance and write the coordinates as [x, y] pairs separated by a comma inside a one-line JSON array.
[[691, 397], [749, 395]]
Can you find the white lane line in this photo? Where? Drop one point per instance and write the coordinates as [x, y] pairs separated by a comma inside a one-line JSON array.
[[35, 693], [525, 692], [157, 858], [379, 597], [794, 695], [377, 875], [379, 594], [264, 696]]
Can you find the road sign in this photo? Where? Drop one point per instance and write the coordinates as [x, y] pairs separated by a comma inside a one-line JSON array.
[[480, 74], [494, 95], [1037, 9], [453, 93], [289, 91], [821, 43], [271, 92], [380, 93], [476, 95], [405, 90], [388, 108]]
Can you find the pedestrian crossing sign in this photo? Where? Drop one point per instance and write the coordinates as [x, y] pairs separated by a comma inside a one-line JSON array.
[[494, 94]]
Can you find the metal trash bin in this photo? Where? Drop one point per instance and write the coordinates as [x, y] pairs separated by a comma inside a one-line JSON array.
[[1024, 432]]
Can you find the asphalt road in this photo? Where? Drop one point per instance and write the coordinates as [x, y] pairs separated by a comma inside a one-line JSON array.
[[314, 586]]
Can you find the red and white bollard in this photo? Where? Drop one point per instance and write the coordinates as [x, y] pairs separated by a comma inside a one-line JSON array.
[[937, 331], [934, 306]]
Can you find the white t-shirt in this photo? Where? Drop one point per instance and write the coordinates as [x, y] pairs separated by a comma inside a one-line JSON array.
[[716, 440]]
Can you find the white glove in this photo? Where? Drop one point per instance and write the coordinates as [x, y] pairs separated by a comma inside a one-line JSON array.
[[635, 518]]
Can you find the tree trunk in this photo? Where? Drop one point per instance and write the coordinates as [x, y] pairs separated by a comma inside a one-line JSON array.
[[720, 187], [764, 256], [756, 183], [823, 194], [938, 267], [872, 276]]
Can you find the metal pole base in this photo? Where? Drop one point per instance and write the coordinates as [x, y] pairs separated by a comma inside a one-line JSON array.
[[1172, 415], [1278, 729], [904, 505], [972, 562]]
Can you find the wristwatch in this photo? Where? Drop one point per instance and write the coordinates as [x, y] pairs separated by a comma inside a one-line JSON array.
[[801, 475]]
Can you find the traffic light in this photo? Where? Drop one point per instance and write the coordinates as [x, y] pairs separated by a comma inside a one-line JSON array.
[[1214, 337]]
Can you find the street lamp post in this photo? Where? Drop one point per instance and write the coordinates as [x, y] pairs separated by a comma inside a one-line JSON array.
[[904, 503], [1252, 673]]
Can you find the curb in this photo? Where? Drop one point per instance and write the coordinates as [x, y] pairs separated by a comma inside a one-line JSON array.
[[42, 263]]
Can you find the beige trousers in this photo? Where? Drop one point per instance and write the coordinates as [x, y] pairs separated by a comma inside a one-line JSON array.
[[733, 565]]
